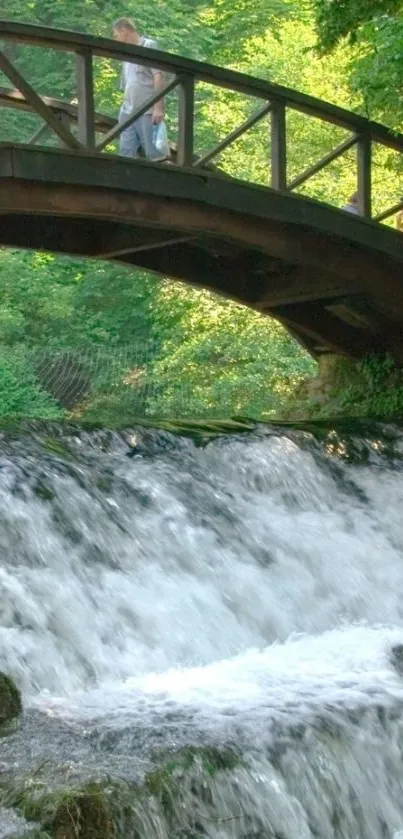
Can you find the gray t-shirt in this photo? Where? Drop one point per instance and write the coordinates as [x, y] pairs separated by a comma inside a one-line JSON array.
[[137, 81]]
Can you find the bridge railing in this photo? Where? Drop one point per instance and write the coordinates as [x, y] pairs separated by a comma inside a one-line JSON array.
[[95, 132]]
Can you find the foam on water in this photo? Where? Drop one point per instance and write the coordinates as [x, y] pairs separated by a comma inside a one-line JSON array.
[[241, 590]]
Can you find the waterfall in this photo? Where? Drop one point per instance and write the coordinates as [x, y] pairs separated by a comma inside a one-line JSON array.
[[244, 596]]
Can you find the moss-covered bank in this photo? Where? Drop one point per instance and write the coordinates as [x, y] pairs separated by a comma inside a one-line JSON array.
[[10, 700], [372, 388], [170, 799]]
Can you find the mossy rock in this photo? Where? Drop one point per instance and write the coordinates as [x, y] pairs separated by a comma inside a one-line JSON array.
[[57, 447], [10, 700], [82, 815]]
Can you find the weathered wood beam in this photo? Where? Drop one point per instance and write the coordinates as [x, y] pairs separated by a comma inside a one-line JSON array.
[[298, 284], [117, 129], [234, 135], [328, 158], [278, 146], [326, 330], [186, 121], [199, 267], [152, 244], [37, 103], [85, 96], [96, 239], [364, 174]]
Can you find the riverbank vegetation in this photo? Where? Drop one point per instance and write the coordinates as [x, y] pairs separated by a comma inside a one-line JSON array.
[[95, 341]]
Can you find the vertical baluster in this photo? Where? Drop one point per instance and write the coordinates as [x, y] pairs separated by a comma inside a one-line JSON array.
[[364, 186], [85, 95], [65, 120], [278, 146], [186, 121]]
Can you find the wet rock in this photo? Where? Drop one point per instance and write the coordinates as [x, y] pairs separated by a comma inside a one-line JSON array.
[[82, 815], [10, 700], [396, 658]]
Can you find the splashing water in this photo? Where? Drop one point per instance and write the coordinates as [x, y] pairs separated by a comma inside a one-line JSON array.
[[244, 595]]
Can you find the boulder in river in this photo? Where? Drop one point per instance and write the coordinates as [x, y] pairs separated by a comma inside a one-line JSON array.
[[10, 700], [83, 814]]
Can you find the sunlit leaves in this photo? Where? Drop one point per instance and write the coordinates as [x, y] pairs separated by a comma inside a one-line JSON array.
[[337, 19]]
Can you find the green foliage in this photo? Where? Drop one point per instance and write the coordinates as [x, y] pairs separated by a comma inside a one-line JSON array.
[[235, 23], [377, 389], [223, 354], [371, 388], [374, 31], [337, 19], [20, 392]]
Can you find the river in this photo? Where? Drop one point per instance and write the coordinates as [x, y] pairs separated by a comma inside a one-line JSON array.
[[243, 596]]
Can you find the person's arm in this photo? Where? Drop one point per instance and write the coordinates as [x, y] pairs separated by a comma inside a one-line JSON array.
[[159, 107]]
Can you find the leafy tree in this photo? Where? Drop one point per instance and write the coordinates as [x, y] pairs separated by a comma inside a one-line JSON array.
[[337, 19], [374, 31]]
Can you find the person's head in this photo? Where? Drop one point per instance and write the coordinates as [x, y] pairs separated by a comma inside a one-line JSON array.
[[125, 31]]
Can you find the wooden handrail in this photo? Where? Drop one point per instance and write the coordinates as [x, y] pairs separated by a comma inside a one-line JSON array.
[[66, 40], [183, 73]]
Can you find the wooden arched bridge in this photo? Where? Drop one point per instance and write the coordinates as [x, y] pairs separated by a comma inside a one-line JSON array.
[[334, 279]]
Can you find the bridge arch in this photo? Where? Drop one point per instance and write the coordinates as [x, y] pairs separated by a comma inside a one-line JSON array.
[[319, 271], [335, 280]]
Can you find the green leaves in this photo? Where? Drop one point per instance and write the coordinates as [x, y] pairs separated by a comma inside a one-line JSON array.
[[337, 19]]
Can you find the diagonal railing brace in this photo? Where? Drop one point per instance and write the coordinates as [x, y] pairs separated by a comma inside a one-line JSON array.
[[38, 105], [234, 135], [117, 130]]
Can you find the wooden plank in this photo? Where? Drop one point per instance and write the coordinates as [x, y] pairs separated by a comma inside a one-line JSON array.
[[185, 121], [234, 135], [230, 79], [298, 284], [364, 173], [324, 161], [197, 266], [37, 103], [152, 244], [117, 130], [328, 331], [85, 96], [278, 146]]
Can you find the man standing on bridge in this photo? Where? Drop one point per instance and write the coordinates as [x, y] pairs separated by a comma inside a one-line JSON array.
[[138, 83]]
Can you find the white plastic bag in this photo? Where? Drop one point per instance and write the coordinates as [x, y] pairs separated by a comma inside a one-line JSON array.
[[161, 141]]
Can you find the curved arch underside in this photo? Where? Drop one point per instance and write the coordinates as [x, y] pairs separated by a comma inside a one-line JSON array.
[[335, 281]]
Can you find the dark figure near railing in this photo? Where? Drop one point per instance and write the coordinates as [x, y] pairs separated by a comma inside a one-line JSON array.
[[138, 84], [352, 206]]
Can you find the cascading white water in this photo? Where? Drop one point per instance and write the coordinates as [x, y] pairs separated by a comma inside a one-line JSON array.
[[247, 593]]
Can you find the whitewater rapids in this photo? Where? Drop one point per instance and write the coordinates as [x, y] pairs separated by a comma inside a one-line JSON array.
[[244, 594]]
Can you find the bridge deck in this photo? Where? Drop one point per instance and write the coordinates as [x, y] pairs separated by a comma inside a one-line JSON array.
[[335, 280]]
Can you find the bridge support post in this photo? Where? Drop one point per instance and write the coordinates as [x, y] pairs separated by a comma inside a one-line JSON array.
[[85, 95], [364, 175], [186, 121], [278, 146]]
